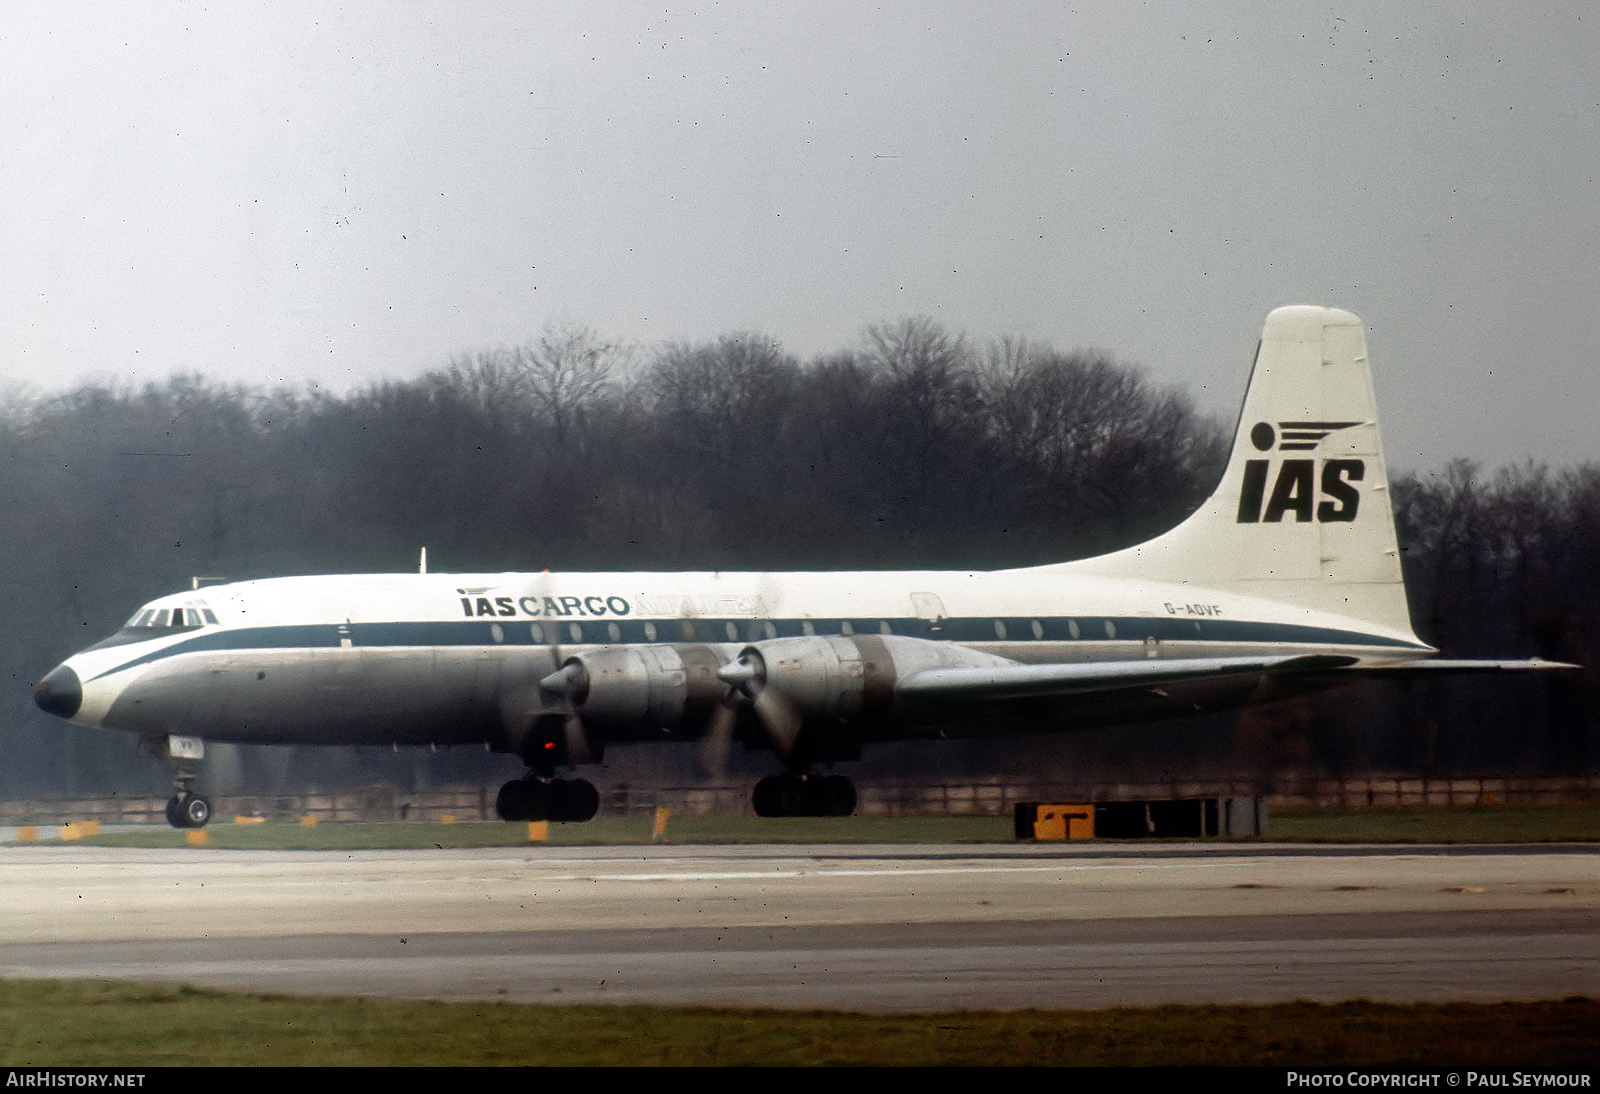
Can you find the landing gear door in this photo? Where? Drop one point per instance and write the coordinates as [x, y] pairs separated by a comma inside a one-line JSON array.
[[185, 748]]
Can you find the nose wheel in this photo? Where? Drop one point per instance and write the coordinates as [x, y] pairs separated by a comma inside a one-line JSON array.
[[186, 810]]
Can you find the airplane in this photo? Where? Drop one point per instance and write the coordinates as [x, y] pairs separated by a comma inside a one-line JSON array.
[[1286, 580]]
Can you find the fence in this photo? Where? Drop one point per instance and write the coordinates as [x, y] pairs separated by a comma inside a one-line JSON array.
[[995, 797]]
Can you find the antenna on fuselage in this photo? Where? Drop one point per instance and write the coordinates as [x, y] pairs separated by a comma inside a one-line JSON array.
[[422, 564]]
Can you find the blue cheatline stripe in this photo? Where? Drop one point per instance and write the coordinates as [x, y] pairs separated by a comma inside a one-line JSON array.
[[592, 632]]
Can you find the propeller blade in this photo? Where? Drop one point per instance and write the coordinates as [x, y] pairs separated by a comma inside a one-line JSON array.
[[577, 741], [778, 715], [718, 741]]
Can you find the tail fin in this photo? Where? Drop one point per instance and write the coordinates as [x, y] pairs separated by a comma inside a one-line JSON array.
[[1303, 512]]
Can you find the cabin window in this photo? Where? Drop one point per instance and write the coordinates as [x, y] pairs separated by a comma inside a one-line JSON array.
[[884, 628], [1038, 629], [845, 627], [614, 631], [497, 632], [999, 628], [731, 629], [1111, 629], [576, 631], [808, 627], [769, 629], [536, 632], [688, 631], [1072, 628], [650, 632]]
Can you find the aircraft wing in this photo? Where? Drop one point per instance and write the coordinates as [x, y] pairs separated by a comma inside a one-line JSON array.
[[1080, 678]]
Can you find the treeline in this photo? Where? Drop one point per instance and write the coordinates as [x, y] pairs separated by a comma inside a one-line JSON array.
[[917, 448], [1496, 563]]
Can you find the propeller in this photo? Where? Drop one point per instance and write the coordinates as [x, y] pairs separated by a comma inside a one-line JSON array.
[[746, 677], [571, 682]]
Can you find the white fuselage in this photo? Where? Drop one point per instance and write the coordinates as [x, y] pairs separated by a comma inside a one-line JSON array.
[[415, 658]]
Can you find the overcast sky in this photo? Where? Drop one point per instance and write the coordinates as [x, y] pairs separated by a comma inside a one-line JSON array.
[[327, 192]]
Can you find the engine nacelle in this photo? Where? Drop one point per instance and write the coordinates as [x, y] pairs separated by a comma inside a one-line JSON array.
[[824, 678], [656, 687], [842, 679]]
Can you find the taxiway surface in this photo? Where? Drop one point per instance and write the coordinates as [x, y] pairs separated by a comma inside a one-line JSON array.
[[850, 927]]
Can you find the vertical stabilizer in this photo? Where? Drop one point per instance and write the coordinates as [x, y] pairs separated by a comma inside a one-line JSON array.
[[1303, 513]]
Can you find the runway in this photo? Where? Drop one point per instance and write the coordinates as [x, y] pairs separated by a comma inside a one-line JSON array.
[[884, 928]]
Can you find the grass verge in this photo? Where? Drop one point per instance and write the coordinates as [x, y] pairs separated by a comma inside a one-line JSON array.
[[66, 1023], [1440, 824], [287, 835], [1407, 824]]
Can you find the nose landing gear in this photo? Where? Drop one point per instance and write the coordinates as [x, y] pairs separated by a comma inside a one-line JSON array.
[[185, 809]]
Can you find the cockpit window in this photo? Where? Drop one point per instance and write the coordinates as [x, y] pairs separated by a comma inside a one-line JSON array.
[[149, 624], [188, 617]]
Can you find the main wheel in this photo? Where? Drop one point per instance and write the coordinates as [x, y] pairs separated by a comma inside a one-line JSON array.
[[523, 800], [508, 803], [765, 798], [573, 800], [796, 797], [836, 796]]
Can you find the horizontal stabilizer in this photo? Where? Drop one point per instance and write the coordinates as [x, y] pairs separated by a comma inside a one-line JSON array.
[[1401, 669], [1079, 678]]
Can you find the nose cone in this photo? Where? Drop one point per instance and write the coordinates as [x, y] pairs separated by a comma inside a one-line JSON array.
[[60, 693]]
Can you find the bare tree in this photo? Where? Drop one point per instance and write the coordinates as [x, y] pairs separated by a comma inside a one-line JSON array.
[[565, 370]]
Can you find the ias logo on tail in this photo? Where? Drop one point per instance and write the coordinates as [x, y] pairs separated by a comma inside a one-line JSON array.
[[1299, 488], [1294, 436]]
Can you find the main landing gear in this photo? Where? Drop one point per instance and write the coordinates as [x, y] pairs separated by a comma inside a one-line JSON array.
[[804, 796], [532, 798]]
